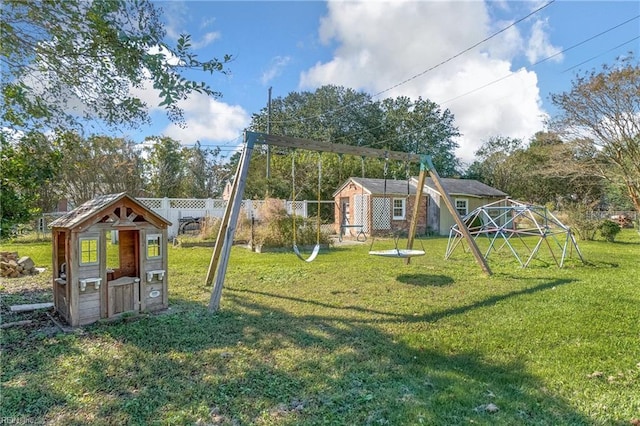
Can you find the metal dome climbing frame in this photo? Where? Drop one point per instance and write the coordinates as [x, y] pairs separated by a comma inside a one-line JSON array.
[[506, 223]]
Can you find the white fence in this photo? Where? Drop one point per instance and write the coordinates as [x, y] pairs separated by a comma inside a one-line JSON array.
[[177, 210], [608, 214]]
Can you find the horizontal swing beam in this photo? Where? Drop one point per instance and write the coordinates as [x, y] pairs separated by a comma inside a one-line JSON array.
[[336, 148]]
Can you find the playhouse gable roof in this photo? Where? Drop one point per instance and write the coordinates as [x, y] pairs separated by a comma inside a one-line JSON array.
[[94, 210]]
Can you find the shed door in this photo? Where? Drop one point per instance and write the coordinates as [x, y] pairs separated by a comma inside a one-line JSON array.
[[361, 211], [381, 215]]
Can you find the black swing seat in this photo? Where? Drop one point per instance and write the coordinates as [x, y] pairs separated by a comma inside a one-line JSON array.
[[401, 253]]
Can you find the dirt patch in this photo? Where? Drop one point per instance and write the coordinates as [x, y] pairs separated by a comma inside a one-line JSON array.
[[31, 325], [23, 290]]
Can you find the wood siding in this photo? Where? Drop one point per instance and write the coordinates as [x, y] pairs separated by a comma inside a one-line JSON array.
[[117, 292]]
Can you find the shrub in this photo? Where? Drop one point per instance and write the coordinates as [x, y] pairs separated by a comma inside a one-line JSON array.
[[209, 228], [275, 228], [580, 223], [609, 229]]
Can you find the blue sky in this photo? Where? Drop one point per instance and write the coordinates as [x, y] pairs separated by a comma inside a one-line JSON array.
[[393, 48]]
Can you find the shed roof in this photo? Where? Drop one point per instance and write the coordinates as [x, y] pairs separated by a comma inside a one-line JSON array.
[[469, 187], [94, 206], [377, 186]]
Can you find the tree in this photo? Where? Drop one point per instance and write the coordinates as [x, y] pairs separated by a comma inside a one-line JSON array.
[[97, 165], [560, 171], [342, 115], [165, 167], [493, 165], [27, 167], [602, 113], [202, 172], [548, 170], [65, 61], [421, 127]]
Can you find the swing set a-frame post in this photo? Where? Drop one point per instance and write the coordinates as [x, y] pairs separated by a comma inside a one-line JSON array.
[[224, 241], [413, 226], [456, 216], [220, 256]]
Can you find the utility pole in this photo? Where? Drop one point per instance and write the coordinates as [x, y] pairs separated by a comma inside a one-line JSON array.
[[268, 133]]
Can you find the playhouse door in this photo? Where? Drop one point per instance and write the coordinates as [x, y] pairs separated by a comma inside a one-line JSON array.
[[124, 296], [123, 285]]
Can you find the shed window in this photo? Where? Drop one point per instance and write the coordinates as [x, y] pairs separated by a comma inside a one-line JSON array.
[[153, 246], [398, 208], [88, 251], [462, 206]]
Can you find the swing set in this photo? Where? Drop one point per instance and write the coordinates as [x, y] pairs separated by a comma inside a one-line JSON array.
[[220, 257]]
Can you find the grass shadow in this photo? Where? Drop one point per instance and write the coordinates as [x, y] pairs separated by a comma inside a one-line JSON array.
[[425, 280], [490, 301]]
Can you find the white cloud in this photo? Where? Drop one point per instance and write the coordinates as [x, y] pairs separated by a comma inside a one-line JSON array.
[[206, 40], [12, 135], [509, 107], [175, 13], [208, 120], [207, 22], [381, 44], [539, 46], [275, 68], [177, 23]]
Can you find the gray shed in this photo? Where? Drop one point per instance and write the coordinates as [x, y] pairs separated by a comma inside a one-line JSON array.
[[379, 205]]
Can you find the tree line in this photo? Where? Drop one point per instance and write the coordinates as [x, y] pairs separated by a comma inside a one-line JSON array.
[[39, 171], [551, 168]]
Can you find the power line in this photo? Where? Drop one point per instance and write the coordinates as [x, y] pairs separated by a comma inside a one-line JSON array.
[[465, 50], [378, 143], [603, 53], [420, 74], [382, 142], [547, 58]]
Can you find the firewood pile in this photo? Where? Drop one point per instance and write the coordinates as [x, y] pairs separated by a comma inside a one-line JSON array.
[[12, 266]]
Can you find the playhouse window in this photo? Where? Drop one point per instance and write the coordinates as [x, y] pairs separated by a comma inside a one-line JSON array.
[[153, 246], [398, 208], [88, 251], [462, 206]]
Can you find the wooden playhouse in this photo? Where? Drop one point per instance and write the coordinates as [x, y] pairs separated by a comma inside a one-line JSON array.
[[109, 258]]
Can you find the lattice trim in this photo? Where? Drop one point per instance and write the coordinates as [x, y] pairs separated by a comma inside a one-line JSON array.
[[361, 211], [186, 203], [152, 203]]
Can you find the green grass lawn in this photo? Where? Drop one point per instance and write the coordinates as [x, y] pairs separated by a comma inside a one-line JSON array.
[[348, 339]]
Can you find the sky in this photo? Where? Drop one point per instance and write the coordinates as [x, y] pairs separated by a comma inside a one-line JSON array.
[[494, 70]]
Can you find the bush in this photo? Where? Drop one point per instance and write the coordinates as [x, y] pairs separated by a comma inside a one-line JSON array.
[[581, 224], [275, 228], [209, 228], [609, 229]]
